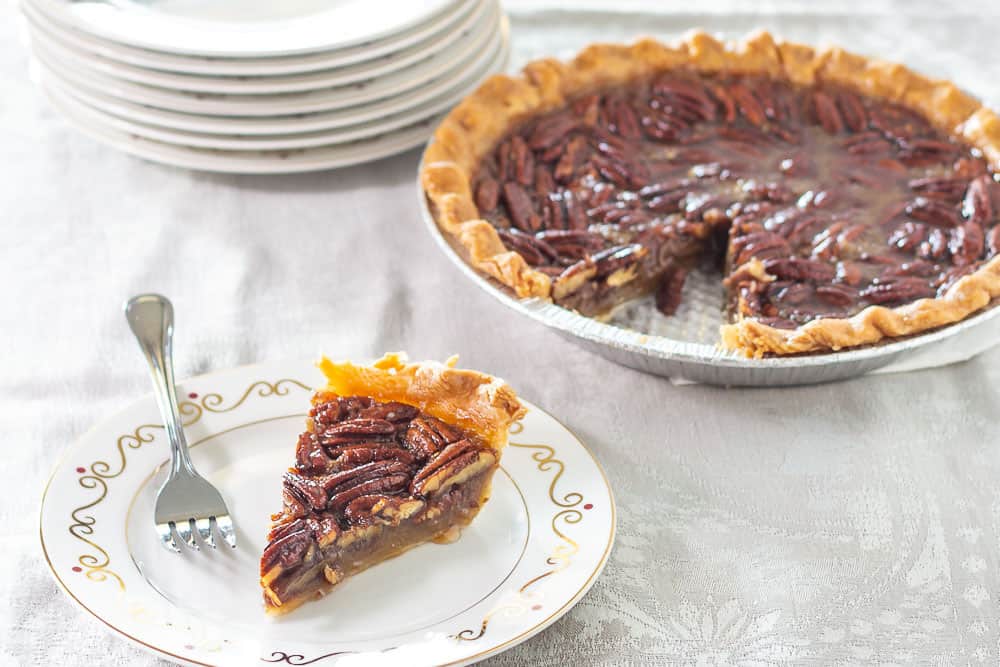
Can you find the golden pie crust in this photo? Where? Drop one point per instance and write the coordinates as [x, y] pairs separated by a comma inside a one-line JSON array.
[[472, 129], [477, 402]]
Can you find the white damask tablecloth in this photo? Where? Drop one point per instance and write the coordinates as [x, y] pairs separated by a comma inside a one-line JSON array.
[[849, 523]]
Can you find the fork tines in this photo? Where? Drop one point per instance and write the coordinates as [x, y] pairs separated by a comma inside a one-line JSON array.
[[189, 532]]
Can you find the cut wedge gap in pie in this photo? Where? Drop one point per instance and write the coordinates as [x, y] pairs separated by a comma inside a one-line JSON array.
[[845, 200], [394, 455]]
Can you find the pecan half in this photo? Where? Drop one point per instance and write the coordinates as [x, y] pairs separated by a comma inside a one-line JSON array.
[[545, 184], [898, 290], [521, 209], [668, 292], [665, 187], [687, 92], [550, 130], [427, 436], [571, 243], [935, 247], [908, 236], [356, 430], [660, 127], [852, 111], [394, 412], [381, 509], [337, 482], [523, 161], [726, 102], [309, 454], [391, 483], [352, 457], [827, 113], [850, 273], [933, 212], [977, 206], [306, 490], [295, 547], [613, 259], [790, 293], [575, 217], [569, 162], [941, 187], [837, 295], [621, 173], [916, 268], [487, 195], [762, 245], [796, 268], [622, 119], [454, 464], [534, 251], [748, 105], [966, 244]]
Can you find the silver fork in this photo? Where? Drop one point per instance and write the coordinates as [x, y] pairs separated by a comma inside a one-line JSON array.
[[186, 504]]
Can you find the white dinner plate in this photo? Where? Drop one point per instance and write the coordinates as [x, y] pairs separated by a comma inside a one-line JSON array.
[[234, 142], [380, 51], [244, 28], [533, 552], [263, 161], [465, 56], [63, 47], [304, 123]]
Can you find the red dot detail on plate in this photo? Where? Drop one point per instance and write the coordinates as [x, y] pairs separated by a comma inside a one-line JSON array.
[[77, 568], [193, 394], [588, 506], [189, 647], [81, 470], [536, 607]]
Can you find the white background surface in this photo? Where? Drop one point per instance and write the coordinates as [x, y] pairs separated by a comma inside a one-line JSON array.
[[849, 523]]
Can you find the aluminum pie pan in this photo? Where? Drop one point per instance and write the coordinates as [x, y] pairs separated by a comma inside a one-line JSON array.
[[703, 362]]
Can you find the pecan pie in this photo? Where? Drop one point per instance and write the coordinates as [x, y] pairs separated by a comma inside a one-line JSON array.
[[845, 200], [393, 455]]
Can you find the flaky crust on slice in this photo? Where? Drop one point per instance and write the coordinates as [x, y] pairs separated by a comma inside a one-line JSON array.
[[477, 402], [472, 129]]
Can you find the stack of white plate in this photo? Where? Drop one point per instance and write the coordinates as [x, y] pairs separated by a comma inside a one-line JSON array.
[[263, 86]]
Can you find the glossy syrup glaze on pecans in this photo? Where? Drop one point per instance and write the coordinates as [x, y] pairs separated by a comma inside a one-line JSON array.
[[364, 463], [818, 201]]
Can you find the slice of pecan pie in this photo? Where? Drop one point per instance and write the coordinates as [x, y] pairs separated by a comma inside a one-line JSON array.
[[393, 455], [845, 200]]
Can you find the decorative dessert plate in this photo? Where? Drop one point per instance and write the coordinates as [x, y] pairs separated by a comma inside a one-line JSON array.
[[63, 45], [536, 548], [241, 28], [382, 52]]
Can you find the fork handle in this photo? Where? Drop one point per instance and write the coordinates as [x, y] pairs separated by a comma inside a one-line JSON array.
[[151, 318]]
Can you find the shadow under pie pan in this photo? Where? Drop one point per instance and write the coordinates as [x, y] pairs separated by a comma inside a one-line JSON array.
[[852, 207], [706, 363]]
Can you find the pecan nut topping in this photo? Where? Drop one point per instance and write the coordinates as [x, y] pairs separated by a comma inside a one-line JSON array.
[[362, 466]]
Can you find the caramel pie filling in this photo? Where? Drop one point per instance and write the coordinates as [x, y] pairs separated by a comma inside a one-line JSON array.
[[372, 479], [814, 202]]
